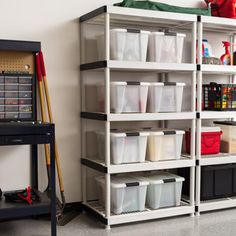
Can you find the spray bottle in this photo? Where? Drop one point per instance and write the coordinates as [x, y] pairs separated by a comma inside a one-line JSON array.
[[225, 58]]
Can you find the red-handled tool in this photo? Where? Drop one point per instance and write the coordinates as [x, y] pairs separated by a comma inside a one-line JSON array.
[[59, 173], [43, 113]]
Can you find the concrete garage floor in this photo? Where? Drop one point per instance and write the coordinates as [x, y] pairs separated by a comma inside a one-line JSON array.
[[220, 223]]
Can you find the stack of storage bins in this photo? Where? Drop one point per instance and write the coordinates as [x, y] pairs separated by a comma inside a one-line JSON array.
[[130, 147], [159, 189], [130, 193]]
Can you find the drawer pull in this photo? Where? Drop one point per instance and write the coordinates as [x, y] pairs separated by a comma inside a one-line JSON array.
[[16, 141]]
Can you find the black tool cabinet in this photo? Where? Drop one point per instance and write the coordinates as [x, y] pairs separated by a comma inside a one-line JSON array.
[[19, 125]]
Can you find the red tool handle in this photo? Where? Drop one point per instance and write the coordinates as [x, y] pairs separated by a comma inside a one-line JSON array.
[[28, 198], [38, 68], [43, 70]]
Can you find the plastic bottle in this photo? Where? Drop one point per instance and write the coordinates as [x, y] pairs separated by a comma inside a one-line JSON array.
[[225, 58], [207, 48]]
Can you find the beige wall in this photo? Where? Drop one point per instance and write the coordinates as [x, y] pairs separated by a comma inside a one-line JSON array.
[[55, 24]]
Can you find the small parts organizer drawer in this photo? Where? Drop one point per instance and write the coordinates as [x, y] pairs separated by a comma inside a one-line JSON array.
[[16, 96]]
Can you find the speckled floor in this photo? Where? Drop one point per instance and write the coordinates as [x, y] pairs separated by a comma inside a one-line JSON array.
[[220, 223]]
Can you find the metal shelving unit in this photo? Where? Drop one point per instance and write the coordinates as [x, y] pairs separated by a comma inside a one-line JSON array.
[[226, 27], [110, 16]]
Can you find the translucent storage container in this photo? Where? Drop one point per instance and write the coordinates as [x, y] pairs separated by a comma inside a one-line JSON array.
[[125, 45], [164, 189], [11, 79], [127, 194], [25, 87], [164, 145], [126, 147], [166, 47], [1, 79], [25, 101], [228, 138], [125, 96], [11, 115], [10, 108], [11, 87], [25, 94], [13, 101], [27, 108], [25, 79], [25, 115], [11, 94], [165, 97]]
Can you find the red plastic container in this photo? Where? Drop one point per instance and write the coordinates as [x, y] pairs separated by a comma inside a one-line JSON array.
[[210, 140]]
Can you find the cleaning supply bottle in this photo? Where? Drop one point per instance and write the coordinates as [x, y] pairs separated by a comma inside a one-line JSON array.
[[225, 58]]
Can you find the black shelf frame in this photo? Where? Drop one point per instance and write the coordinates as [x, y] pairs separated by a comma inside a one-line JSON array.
[[31, 133]]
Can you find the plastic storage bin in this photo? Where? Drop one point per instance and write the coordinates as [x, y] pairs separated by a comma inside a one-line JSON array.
[[125, 45], [164, 145], [126, 147], [164, 189], [166, 47], [127, 194], [210, 140], [165, 97], [228, 138], [125, 96], [218, 181]]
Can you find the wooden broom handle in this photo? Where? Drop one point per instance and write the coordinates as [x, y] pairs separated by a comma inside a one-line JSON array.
[[51, 119]]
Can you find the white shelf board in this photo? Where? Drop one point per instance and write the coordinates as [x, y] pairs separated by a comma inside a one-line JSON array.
[[217, 204], [222, 158], [219, 24], [148, 214], [124, 13], [150, 66], [151, 116], [148, 166], [218, 69], [217, 114]]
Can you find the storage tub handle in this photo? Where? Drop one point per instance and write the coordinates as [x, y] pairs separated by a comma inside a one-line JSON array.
[[169, 180], [169, 132], [133, 83], [133, 184], [132, 134], [136, 31], [170, 83], [170, 33]]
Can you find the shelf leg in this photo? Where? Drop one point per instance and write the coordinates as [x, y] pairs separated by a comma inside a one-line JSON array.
[[108, 227], [197, 214], [52, 187], [192, 215], [34, 166]]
